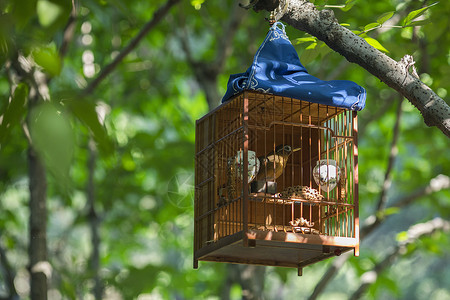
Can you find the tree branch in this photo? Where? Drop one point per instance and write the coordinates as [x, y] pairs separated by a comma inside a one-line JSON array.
[[9, 274], [69, 31], [224, 47], [436, 184], [392, 155], [94, 221], [206, 73], [157, 17], [303, 15], [440, 182], [414, 233]]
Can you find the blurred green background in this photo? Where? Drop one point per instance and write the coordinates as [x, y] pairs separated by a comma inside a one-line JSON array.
[[119, 156]]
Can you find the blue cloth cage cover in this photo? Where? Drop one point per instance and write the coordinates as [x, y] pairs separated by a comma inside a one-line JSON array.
[[276, 69]]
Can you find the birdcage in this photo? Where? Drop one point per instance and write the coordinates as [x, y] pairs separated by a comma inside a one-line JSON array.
[[276, 182]]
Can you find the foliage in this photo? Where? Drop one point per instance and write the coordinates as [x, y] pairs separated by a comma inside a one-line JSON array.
[[142, 120]]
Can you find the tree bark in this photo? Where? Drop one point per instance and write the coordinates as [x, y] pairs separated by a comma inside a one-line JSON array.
[[94, 222], [304, 16], [39, 265]]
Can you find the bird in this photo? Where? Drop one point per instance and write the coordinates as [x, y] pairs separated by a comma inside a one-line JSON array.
[[272, 165]]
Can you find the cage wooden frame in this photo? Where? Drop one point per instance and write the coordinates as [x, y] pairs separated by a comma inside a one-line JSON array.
[[235, 224]]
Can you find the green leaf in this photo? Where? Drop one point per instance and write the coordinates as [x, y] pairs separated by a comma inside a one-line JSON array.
[[309, 54], [402, 236], [305, 40], [48, 58], [371, 26], [348, 5], [416, 13], [384, 17], [418, 23], [323, 49], [23, 11], [391, 211], [53, 139], [14, 111], [374, 43], [197, 4], [48, 12], [390, 284], [86, 113]]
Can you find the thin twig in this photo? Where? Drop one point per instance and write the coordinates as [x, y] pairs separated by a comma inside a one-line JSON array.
[[438, 183], [157, 17], [69, 31], [8, 274], [392, 155], [206, 73], [414, 233]]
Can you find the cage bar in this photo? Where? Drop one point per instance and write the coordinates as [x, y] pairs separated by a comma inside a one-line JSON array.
[[276, 182]]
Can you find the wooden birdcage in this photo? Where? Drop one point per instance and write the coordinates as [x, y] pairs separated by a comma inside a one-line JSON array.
[[298, 203]]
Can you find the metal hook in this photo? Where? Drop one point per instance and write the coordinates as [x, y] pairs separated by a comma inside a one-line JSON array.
[[278, 12]]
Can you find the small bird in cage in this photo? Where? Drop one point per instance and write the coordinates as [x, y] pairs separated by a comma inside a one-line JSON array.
[[273, 164], [235, 174]]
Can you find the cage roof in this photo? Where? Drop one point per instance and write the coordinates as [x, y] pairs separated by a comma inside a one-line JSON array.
[[276, 69]]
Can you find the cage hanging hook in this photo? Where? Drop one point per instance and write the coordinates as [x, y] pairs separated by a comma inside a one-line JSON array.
[[278, 13]]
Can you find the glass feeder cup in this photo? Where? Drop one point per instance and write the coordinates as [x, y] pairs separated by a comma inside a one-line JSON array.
[[326, 174]]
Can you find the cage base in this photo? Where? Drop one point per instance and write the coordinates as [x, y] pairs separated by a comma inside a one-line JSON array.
[[280, 249]]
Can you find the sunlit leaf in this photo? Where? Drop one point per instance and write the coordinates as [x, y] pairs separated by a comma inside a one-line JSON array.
[[384, 17], [48, 12], [197, 4], [391, 211], [348, 5], [418, 23], [416, 13], [371, 26], [48, 58], [305, 40], [374, 43], [402, 236]]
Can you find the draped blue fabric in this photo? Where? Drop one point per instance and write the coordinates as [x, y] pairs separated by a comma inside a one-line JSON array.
[[276, 69]]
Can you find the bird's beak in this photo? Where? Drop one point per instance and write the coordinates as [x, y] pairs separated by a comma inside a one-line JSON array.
[[296, 149]]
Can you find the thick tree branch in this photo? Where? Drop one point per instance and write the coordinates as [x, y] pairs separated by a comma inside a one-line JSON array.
[[157, 17], [414, 233], [303, 15]]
